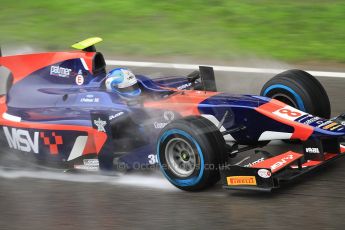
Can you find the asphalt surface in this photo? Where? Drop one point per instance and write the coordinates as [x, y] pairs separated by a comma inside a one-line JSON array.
[[45, 199]]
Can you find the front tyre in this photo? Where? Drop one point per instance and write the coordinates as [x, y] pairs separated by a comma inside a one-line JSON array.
[[301, 90], [189, 153]]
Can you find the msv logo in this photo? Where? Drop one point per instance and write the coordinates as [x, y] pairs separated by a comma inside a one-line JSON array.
[[21, 139]]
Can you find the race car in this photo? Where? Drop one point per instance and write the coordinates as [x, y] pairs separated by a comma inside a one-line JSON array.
[[57, 111]]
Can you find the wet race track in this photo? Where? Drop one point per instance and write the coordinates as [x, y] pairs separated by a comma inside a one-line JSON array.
[[47, 199]]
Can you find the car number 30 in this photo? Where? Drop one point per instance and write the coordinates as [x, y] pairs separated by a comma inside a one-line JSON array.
[[152, 159]]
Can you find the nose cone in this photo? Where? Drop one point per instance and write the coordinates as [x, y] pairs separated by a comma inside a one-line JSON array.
[[304, 124]]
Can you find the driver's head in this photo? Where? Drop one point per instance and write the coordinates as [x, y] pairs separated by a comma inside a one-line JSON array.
[[122, 81]]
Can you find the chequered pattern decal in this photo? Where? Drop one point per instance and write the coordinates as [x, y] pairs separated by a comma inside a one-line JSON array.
[[52, 141]]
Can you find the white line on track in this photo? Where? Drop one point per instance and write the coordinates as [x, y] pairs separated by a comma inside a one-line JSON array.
[[217, 68]]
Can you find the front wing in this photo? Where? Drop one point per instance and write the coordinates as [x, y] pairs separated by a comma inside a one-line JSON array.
[[281, 169]]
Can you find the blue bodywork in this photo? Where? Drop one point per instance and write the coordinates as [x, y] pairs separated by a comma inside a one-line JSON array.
[[134, 127]]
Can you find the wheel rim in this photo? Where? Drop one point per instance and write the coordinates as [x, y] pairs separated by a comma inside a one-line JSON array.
[[285, 99], [180, 157]]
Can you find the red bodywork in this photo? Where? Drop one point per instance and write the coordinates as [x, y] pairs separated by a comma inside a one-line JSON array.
[[29, 63]]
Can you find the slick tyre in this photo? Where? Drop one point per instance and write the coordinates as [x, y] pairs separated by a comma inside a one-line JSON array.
[[301, 90], [190, 151]]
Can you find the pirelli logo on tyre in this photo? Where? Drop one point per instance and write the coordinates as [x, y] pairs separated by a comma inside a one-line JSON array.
[[241, 180]]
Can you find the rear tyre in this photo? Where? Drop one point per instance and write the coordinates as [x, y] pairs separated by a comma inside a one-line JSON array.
[[189, 153], [301, 90]]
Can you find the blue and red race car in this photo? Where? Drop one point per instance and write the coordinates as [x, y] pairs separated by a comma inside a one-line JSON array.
[[58, 111]]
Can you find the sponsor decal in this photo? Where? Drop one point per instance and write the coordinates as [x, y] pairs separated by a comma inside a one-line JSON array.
[[312, 150], [60, 71], [331, 125], [281, 163], [79, 79], [184, 86], [100, 125], [264, 173], [168, 117], [304, 118], [312, 120], [278, 162], [289, 113], [322, 124], [91, 162], [255, 162], [338, 127], [20, 139], [52, 141], [89, 99], [111, 117], [159, 125], [241, 180], [87, 167]]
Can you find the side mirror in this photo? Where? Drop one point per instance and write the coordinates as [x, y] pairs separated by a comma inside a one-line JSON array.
[[192, 77]]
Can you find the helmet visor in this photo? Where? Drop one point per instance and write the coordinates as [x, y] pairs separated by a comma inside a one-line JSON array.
[[129, 89]]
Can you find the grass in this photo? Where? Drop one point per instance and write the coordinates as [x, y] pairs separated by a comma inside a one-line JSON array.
[[291, 30]]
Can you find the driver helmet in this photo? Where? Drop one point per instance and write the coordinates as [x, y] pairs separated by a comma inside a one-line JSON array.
[[122, 81]]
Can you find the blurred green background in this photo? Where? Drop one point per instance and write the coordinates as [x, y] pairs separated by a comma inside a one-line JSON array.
[[291, 30]]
